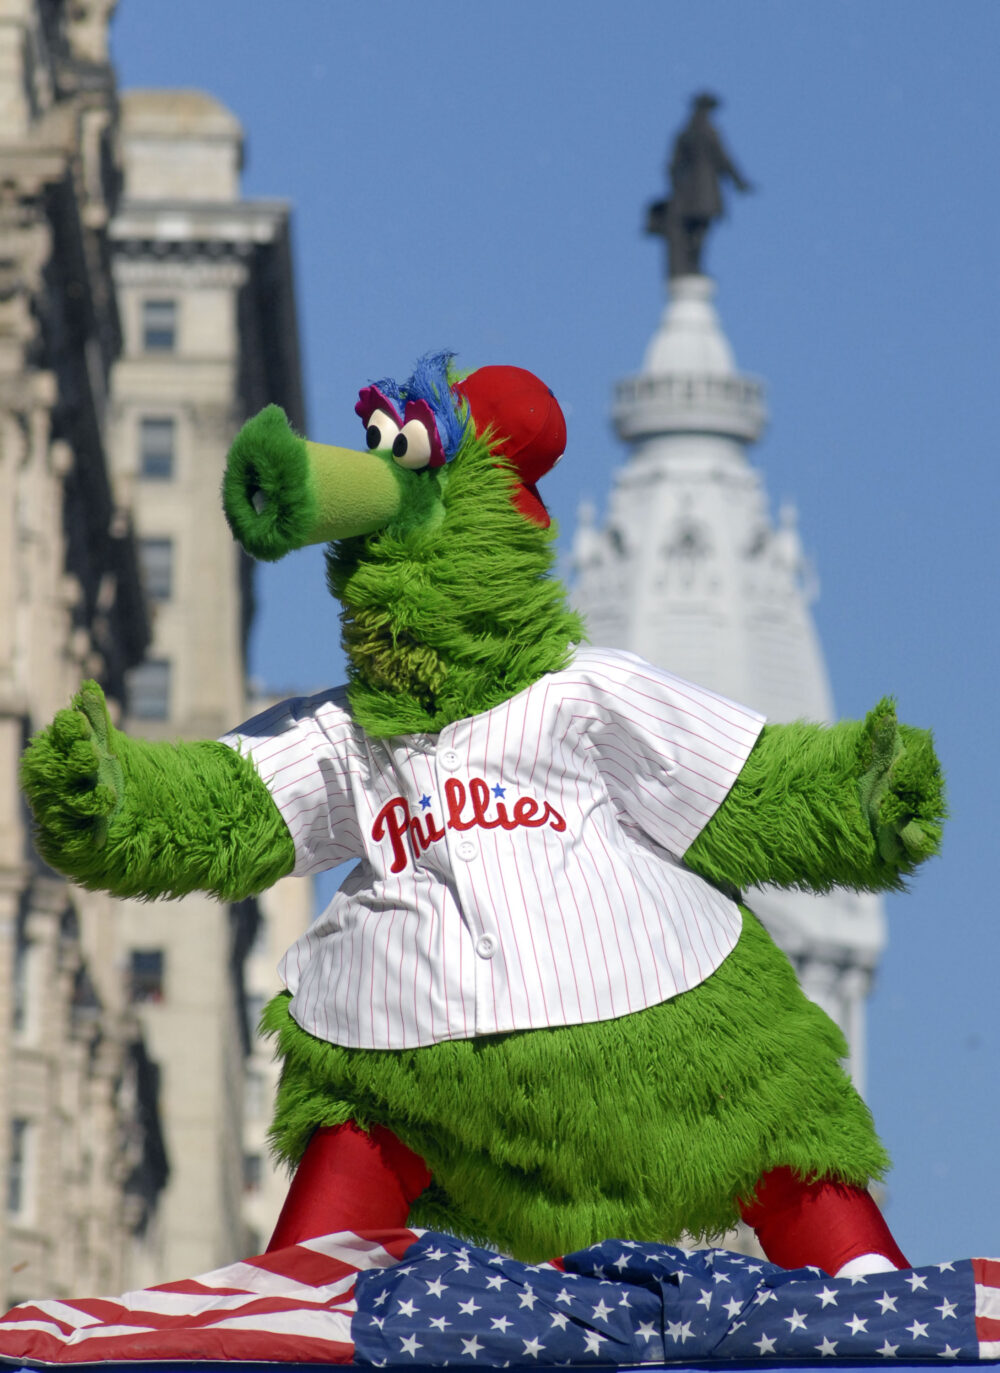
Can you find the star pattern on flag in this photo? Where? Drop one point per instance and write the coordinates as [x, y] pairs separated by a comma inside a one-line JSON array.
[[624, 1302], [500, 1310]]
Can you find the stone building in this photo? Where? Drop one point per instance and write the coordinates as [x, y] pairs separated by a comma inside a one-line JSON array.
[[690, 570], [205, 290], [81, 1158], [145, 310]]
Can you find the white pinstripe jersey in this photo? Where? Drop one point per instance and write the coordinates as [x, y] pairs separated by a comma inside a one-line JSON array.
[[520, 869]]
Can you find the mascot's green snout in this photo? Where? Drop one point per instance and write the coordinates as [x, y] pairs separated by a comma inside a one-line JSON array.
[[282, 492], [537, 1012]]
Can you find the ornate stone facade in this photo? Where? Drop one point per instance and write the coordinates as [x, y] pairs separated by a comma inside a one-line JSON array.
[[137, 331], [80, 1154]]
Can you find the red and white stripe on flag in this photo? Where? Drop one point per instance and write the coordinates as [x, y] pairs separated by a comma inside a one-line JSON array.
[[987, 1275], [295, 1304]]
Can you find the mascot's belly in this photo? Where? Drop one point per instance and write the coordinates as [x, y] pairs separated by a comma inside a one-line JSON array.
[[643, 1127]]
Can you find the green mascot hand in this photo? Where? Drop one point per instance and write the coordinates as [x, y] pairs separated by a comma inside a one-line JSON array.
[[901, 789], [73, 779], [140, 818]]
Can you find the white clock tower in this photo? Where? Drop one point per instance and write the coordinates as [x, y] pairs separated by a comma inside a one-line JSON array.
[[690, 571]]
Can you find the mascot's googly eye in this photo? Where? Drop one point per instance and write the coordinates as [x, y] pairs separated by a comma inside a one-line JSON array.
[[382, 431], [412, 445]]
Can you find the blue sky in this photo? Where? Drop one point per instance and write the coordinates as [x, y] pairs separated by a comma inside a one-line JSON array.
[[473, 176]]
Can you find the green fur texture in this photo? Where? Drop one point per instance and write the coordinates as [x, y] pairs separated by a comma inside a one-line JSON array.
[[854, 805], [147, 819], [269, 459], [451, 608], [646, 1126]]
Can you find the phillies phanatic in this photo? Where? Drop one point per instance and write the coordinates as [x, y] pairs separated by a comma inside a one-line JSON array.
[[537, 1012]]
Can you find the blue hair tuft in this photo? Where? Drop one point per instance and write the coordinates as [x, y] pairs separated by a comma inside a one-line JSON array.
[[429, 382]]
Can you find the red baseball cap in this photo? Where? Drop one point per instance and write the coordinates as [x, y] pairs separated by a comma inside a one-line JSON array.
[[528, 425]]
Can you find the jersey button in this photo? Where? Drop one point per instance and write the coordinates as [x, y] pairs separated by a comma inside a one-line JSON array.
[[467, 849], [449, 759], [486, 946]]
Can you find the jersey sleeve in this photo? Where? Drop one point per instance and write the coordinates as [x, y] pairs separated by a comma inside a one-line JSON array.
[[668, 751], [307, 750]]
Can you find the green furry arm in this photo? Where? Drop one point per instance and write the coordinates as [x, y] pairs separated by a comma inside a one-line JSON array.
[[854, 805], [150, 819]]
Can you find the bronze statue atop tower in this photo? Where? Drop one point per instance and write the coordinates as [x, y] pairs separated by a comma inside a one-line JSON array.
[[698, 163]]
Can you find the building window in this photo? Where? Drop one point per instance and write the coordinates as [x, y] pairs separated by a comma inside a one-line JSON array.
[[148, 690], [85, 1007], [18, 1189], [156, 449], [156, 558], [159, 326], [23, 979], [253, 1004], [253, 1172], [145, 976], [257, 1097]]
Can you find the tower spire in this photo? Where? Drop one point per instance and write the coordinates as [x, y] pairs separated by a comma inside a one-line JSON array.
[[691, 571]]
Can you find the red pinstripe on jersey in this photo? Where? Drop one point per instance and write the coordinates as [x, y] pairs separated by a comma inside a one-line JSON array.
[[521, 868]]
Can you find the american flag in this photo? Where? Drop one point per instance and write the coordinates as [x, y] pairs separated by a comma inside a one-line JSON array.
[[415, 1298]]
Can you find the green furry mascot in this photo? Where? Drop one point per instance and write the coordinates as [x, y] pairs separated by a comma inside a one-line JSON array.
[[536, 1013]]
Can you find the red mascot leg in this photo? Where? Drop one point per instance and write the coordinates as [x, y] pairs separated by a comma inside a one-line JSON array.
[[350, 1179], [829, 1224]]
